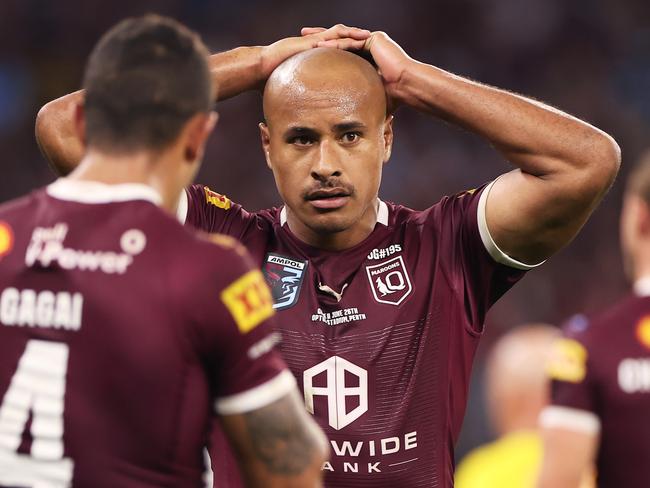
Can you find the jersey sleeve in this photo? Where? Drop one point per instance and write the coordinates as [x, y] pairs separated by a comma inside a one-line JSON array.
[[232, 311], [573, 403], [212, 212], [477, 269]]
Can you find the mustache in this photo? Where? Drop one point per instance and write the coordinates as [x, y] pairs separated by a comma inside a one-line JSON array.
[[332, 187]]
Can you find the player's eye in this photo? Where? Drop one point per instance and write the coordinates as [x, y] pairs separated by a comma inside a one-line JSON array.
[[351, 137], [301, 140]]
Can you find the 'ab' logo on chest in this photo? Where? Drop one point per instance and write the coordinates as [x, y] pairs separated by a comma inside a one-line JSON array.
[[285, 277]]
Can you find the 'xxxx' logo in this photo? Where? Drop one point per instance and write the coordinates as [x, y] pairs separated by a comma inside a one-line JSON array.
[[336, 390]]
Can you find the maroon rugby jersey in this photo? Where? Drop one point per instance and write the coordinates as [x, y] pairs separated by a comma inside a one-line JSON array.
[[380, 337], [121, 332], [601, 385]]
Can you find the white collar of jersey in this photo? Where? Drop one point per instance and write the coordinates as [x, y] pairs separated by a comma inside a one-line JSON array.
[[96, 192], [382, 214], [642, 286]]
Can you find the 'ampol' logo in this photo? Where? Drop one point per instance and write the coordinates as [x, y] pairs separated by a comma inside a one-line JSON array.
[[284, 276], [336, 390], [389, 281]]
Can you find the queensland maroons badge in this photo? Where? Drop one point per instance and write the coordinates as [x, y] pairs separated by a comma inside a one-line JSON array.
[[389, 281], [285, 276]]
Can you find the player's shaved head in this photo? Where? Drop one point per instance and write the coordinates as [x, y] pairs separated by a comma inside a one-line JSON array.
[[327, 128], [517, 385], [324, 76]]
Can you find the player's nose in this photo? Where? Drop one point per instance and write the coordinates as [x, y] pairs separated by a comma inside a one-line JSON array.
[[327, 163]]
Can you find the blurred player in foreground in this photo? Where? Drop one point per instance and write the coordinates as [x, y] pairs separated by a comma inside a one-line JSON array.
[[121, 332], [381, 307], [600, 410], [517, 389]]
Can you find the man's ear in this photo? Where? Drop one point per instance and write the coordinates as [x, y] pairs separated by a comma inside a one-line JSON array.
[[80, 122], [266, 142], [197, 131], [388, 137]]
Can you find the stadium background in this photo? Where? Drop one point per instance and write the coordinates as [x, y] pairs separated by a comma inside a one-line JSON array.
[[589, 58]]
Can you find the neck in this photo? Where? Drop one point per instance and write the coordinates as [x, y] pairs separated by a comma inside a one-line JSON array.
[[523, 421], [641, 269], [142, 167], [339, 240]]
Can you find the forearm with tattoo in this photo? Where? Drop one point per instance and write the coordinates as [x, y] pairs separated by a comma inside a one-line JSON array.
[[280, 439]]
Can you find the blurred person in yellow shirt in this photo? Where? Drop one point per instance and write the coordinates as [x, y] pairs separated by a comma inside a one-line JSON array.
[[517, 389]]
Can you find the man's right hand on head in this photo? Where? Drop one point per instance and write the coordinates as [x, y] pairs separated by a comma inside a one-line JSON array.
[[274, 54]]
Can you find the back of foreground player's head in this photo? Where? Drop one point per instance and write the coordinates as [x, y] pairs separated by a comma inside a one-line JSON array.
[[145, 79], [517, 386]]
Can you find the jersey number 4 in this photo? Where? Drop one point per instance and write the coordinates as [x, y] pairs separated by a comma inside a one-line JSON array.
[[37, 386]]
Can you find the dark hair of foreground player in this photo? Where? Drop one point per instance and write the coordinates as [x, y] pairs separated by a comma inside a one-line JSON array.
[[140, 53]]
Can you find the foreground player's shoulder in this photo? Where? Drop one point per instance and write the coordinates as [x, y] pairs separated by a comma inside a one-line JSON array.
[[224, 263], [243, 289], [26, 204], [208, 253], [212, 275], [185, 246], [14, 216], [226, 307], [223, 251]]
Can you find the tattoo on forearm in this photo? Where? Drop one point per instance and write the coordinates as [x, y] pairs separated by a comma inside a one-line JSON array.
[[280, 439]]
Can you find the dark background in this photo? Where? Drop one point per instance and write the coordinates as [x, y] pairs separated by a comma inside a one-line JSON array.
[[589, 58]]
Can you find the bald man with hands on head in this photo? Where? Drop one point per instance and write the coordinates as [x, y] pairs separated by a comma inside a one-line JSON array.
[[381, 307]]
